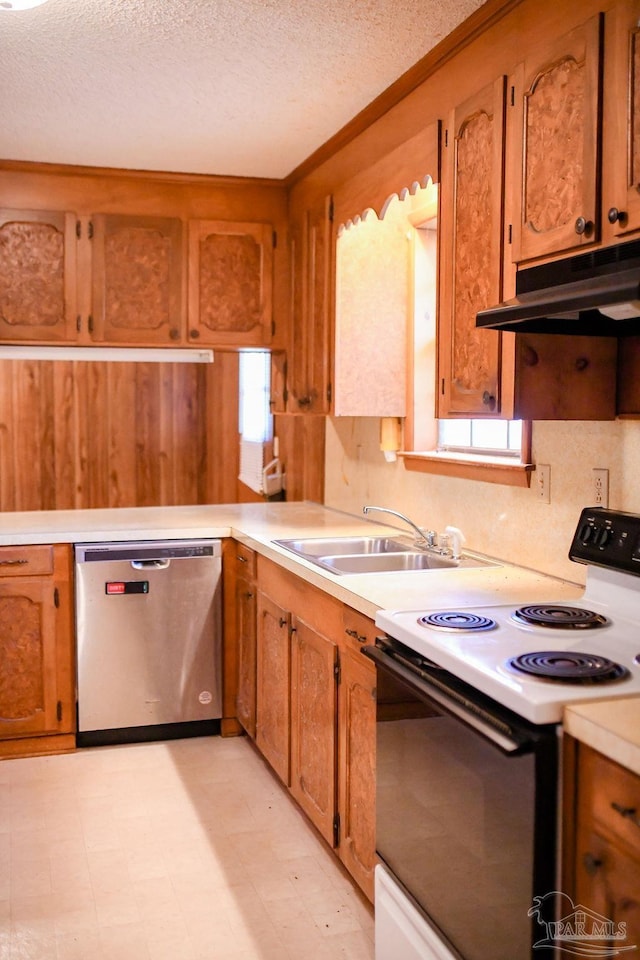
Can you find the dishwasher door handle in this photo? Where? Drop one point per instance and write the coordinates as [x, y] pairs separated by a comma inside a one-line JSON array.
[[150, 564]]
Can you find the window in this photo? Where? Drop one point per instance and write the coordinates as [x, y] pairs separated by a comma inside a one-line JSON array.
[[255, 420], [489, 437]]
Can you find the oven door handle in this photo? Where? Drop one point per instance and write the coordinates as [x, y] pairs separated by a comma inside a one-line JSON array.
[[491, 727]]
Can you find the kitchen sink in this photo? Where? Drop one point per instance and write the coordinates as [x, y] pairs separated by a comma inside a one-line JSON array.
[[342, 555]]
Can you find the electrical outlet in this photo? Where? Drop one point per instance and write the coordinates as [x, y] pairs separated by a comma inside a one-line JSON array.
[[600, 487], [543, 479]]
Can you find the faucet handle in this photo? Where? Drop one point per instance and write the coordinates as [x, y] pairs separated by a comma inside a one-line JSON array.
[[457, 539]]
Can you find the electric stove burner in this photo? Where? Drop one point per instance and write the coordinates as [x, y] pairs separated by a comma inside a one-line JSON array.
[[565, 618], [456, 620], [569, 666]]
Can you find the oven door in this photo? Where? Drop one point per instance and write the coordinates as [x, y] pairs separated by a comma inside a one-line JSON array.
[[466, 806]]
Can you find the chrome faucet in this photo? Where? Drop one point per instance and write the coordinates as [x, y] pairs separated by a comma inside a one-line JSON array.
[[424, 538]]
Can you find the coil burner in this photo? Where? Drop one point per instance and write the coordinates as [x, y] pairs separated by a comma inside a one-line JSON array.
[[568, 666], [561, 617], [456, 620]]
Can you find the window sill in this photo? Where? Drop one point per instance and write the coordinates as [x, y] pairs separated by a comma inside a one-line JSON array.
[[512, 473]]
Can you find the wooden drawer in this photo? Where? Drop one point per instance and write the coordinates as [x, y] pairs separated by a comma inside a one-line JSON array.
[[610, 795], [358, 629], [246, 560], [29, 561]]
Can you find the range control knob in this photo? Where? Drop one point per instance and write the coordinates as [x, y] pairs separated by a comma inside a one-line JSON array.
[[586, 533], [603, 537]]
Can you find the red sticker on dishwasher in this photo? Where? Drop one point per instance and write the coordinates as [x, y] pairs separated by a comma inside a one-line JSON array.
[[116, 586]]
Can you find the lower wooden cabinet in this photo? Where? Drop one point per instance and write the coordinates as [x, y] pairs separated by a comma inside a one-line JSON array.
[[37, 687], [602, 862], [315, 711]]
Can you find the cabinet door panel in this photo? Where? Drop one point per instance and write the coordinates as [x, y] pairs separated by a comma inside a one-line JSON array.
[[37, 275], [230, 283], [273, 672], [469, 359], [357, 803], [557, 137], [137, 279], [608, 884], [621, 161], [28, 681], [246, 637], [313, 726], [311, 265]]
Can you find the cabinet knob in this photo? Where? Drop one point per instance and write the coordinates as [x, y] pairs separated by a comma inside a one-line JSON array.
[[616, 216], [194, 334], [583, 226], [304, 401], [174, 334], [488, 399], [629, 813], [591, 863]]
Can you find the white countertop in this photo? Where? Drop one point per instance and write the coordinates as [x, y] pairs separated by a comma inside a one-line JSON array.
[[258, 524], [610, 726]]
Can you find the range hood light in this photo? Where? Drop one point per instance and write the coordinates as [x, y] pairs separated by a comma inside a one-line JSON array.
[[622, 311]]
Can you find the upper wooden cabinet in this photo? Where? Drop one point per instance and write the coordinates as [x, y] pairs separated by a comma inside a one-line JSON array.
[[308, 378], [554, 144], [230, 283], [621, 157], [471, 252], [136, 280], [37, 275], [486, 373]]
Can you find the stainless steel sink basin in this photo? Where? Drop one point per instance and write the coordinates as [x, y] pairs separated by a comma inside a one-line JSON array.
[[340, 546], [342, 555]]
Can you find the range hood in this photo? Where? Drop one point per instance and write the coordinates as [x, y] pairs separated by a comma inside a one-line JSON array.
[[590, 294]]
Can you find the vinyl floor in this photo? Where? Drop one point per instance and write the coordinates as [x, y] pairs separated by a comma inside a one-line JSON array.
[[179, 850]]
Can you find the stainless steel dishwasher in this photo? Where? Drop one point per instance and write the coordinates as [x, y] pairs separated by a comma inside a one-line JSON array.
[[149, 623]]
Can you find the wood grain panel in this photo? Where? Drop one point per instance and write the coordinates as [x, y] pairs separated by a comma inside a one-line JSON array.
[[82, 435], [21, 688]]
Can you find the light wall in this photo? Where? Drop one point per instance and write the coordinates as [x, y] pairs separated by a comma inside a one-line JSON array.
[[506, 522]]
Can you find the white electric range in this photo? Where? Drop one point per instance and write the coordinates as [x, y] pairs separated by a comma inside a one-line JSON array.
[[536, 658]]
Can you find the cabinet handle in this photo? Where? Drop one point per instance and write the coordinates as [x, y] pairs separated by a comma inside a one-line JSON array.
[[583, 226], [304, 401], [283, 621], [616, 216], [488, 398], [356, 636], [249, 595], [241, 559], [12, 563], [591, 863], [629, 813]]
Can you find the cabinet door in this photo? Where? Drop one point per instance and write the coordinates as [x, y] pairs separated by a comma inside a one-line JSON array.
[[37, 275], [621, 159], [137, 280], [608, 884], [556, 139], [471, 244], [272, 695], [356, 776], [313, 726], [37, 689], [230, 283], [246, 635], [311, 289]]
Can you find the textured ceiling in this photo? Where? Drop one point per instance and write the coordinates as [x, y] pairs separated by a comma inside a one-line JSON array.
[[233, 87]]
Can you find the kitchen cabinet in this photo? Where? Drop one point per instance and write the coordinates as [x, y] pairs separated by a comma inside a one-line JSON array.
[[38, 275], [605, 857], [487, 373], [245, 626], [37, 698], [309, 352], [555, 138], [621, 157], [316, 712], [136, 280], [230, 283]]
